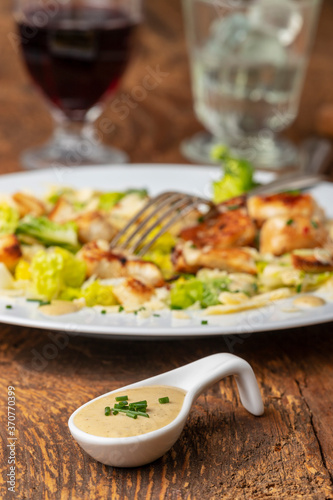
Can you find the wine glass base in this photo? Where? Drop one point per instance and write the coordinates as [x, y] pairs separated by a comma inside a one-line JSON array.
[[269, 154], [71, 155]]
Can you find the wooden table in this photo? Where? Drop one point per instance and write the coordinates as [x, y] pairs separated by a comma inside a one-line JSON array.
[[224, 452]]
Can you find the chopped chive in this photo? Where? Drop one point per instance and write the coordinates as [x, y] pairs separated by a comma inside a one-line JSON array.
[[9, 306], [121, 410], [103, 311], [120, 309], [142, 414], [107, 411], [41, 302], [131, 414], [314, 224], [233, 207], [204, 322], [122, 398], [135, 312], [289, 222], [124, 410], [144, 402], [201, 219], [157, 315], [134, 405], [299, 288], [162, 401], [193, 245], [121, 406]]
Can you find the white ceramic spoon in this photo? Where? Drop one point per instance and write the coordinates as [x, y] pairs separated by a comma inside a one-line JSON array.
[[193, 378]]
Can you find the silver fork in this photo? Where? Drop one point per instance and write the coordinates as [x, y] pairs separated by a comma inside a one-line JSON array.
[[171, 206], [167, 208]]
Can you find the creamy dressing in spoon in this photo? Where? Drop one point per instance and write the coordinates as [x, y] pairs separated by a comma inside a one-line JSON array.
[[92, 419]]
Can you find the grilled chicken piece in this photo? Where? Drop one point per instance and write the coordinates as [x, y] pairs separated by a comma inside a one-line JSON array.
[[262, 208], [283, 234], [93, 226], [232, 204], [110, 264], [10, 251], [187, 259], [318, 261], [27, 204], [232, 228], [125, 209], [62, 212], [133, 293]]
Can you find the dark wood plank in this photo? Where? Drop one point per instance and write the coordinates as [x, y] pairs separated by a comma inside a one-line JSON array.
[[223, 452]]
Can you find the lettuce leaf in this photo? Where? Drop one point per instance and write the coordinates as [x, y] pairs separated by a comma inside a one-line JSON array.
[[49, 233], [9, 218], [55, 269]]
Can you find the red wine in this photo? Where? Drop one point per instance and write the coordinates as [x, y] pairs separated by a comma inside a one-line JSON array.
[[77, 56]]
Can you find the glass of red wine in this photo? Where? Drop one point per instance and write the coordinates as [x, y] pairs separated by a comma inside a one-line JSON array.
[[76, 52]]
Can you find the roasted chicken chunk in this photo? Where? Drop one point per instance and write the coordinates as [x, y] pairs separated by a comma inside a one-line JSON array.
[[283, 234], [187, 259], [28, 204], [63, 211], [93, 226], [105, 263], [10, 251], [262, 208], [316, 261], [231, 228], [132, 293]]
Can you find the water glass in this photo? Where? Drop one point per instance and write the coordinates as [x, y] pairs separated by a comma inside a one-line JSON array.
[[248, 63]]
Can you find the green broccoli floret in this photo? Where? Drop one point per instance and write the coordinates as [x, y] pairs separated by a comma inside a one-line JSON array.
[[238, 175]]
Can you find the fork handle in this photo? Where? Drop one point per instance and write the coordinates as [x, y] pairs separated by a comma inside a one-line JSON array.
[[289, 182]]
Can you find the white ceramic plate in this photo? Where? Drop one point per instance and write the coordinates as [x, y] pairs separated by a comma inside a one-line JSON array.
[[156, 178]]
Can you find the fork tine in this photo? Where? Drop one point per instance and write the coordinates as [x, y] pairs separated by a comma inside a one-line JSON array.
[[155, 205], [137, 216], [186, 209], [163, 207], [176, 204]]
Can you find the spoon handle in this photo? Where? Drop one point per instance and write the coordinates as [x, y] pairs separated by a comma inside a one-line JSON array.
[[201, 374]]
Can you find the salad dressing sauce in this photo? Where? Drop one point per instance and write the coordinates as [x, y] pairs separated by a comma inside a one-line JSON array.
[[309, 301], [59, 307], [91, 418]]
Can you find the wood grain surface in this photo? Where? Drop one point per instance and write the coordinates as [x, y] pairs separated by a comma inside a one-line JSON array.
[[223, 452]]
